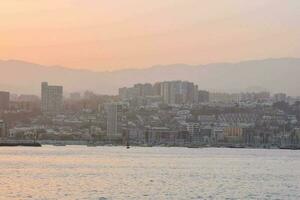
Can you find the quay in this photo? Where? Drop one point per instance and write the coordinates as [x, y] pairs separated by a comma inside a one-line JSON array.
[[15, 143]]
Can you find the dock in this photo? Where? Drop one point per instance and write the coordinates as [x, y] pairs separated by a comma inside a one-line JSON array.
[[15, 143]]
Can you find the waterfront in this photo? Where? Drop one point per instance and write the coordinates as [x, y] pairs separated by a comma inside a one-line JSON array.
[[79, 172]]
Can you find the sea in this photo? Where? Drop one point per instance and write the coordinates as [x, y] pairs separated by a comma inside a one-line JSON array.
[[107, 172]]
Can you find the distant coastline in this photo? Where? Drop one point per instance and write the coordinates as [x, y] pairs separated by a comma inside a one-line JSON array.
[[40, 143]]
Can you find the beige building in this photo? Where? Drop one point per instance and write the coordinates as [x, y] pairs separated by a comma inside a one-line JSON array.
[[233, 134], [114, 112]]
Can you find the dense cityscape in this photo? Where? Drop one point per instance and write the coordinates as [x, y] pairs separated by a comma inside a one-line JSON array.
[[170, 113], [150, 100]]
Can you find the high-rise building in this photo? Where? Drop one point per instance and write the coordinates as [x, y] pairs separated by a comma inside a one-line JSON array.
[[176, 92], [138, 90], [4, 101], [179, 92], [189, 92], [52, 98], [114, 113], [157, 89], [123, 93], [147, 90], [166, 92], [172, 92]]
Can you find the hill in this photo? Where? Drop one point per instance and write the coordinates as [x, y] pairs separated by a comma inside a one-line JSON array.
[[276, 75]]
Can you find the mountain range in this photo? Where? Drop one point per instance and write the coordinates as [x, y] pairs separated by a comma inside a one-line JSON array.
[[274, 75]]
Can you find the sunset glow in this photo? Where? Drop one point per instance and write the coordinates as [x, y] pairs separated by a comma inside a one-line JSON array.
[[109, 35]]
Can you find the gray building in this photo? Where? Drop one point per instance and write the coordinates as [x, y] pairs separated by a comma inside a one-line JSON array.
[[138, 90], [4, 100], [280, 97], [203, 96], [179, 92], [2, 129], [52, 98]]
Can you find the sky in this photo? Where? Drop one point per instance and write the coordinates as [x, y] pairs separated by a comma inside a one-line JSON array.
[[111, 35]]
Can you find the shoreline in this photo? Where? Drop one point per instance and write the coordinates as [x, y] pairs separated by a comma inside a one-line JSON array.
[[40, 143]]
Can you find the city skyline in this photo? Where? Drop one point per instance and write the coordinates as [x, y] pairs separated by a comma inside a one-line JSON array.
[[172, 113], [149, 99], [106, 36]]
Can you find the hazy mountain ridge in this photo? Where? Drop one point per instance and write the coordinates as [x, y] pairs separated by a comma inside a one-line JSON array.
[[276, 75]]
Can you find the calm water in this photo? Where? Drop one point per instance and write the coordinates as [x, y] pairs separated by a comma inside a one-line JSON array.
[[78, 172]]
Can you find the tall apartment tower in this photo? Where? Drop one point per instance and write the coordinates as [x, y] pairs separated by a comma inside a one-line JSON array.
[[114, 113], [52, 98], [165, 89], [179, 92], [4, 101]]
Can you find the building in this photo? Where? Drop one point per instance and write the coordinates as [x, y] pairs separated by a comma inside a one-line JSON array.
[[179, 92], [233, 134], [144, 89], [27, 106], [254, 97], [25, 102], [157, 89], [2, 129], [238, 118], [175, 93], [165, 92], [138, 90], [207, 119], [51, 98], [75, 96], [123, 93], [189, 92], [172, 92], [192, 128], [223, 97], [280, 97], [4, 100], [203, 96], [28, 98], [114, 113]]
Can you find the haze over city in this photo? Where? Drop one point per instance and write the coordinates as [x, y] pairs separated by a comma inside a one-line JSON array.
[[149, 99], [108, 35]]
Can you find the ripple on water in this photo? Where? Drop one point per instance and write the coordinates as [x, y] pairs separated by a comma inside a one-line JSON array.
[[148, 173]]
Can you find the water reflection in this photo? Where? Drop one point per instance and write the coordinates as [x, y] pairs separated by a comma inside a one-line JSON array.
[[78, 172]]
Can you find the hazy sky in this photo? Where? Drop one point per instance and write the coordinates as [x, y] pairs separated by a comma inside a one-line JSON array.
[[116, 34]]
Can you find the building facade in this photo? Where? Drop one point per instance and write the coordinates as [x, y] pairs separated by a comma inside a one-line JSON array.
[[179, 92], [114, 113], [4, 100], [2, 129], [51, 99], [203, 96]]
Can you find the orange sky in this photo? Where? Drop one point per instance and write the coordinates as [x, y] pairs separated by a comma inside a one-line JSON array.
[[117, 34]]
